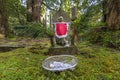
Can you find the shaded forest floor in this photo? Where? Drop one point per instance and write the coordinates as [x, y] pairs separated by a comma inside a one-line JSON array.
[[94, 63], [25, 42]]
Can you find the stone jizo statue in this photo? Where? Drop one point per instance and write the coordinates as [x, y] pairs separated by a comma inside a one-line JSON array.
[[61, 32]]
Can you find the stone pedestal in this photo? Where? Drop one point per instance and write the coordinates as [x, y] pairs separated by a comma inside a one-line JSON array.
[[62, 50]]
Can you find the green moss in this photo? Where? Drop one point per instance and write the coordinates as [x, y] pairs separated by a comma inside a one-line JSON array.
[[21, 64]]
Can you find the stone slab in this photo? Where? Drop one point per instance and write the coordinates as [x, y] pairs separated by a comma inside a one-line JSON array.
[[62, 50]]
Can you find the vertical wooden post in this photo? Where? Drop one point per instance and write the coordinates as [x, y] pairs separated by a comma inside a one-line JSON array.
[[74, 12], [74, 30]]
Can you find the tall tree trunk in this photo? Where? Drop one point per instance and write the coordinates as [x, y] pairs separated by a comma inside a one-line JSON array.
[[29, 10], [4, 29], [34, 10], [37, 10], [111, 12]]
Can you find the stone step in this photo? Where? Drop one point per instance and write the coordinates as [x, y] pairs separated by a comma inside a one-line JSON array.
[[62, 50], [8, 47]]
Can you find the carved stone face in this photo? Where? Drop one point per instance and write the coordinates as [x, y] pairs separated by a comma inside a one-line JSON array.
[[60, 19]]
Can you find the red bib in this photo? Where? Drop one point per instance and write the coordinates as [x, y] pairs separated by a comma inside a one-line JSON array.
[[61, 29]]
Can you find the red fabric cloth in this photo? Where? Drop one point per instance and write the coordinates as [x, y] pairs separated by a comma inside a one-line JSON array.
[[61, 28]]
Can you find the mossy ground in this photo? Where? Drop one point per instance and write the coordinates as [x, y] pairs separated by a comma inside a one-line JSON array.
[[95, 63]]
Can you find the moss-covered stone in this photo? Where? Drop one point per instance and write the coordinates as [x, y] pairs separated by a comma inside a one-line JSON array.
[[62, 50], [8, 47]]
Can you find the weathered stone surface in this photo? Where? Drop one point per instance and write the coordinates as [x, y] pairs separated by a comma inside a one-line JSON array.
[[6, 47], [62, 50], [62, 13]]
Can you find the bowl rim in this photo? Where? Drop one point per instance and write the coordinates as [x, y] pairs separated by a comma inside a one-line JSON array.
[[73, 57]]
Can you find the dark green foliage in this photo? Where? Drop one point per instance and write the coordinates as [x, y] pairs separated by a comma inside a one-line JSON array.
[[91, 13], [16, 10], [105, 37], [90, 16], [30, 30], [49, 31]]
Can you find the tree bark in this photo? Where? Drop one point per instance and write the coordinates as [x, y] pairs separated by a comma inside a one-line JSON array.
[[37, 10], [34, 10], [29, 10], [4, 28], [111, 13]]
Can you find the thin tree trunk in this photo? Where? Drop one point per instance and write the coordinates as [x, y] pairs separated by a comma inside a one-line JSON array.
[[29, 10], [74, 16]]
